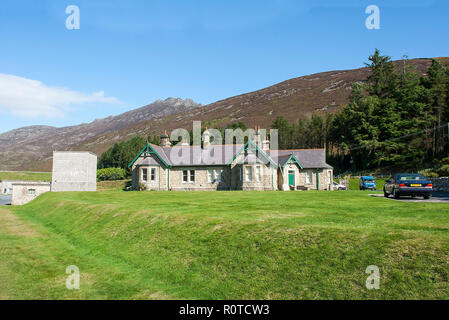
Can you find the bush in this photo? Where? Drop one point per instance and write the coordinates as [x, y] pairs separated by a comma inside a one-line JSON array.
[[109, 174], [142, 187], [431, 174], [444, 171]]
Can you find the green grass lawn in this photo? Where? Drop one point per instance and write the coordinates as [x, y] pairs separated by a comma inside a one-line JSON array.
[[354, 184], [224, 245], [25, 175]]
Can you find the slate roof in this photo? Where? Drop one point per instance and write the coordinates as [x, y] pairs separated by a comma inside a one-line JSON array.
[[308, 158], [220, 155]]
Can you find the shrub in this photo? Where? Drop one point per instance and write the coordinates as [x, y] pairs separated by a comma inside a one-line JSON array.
[[142, 187], [111, 174], [431, 174], [444, 171]]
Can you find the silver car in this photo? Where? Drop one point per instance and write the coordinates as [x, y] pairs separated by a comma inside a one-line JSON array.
[[338, 186]]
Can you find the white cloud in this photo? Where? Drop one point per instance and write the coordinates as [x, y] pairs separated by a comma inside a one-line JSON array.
[[31, 98]]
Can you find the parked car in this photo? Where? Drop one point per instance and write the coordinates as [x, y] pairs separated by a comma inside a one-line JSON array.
[[367, 183], [338, 186], [408, 184]]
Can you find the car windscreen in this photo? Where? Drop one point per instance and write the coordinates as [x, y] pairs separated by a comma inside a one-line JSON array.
[[411, 177], [368, 180]]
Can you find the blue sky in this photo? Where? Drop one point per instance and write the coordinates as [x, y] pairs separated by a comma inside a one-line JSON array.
[[129, 53]]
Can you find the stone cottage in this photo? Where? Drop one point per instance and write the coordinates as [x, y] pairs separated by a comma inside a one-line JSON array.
[[252, 166]]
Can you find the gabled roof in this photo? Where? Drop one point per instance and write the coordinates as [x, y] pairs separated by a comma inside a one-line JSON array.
[[152, 149], [251, 145], [221, 155], [214, 155], [283, 160], [308, 158]]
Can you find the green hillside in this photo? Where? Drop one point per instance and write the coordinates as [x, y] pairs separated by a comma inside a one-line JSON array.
[[25, 175]]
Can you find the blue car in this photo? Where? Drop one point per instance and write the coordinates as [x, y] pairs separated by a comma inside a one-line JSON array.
[[408, 184], [367, 183]]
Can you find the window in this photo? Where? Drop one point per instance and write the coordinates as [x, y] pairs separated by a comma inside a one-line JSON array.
[[144, 175], [309, 177], [31, 192], [210, 176], [248, 174], [329, 177], [188, 176], [258, 173], [218, 175], [214, 175], [408, 177], [153, 174]]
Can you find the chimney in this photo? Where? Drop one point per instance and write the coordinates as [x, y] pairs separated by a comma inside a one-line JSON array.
[[266, 145], [257, 139], [206, 139], [165, 140]]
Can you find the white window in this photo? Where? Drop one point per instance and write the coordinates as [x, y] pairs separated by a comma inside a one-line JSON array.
[[210, 176], [153, 174], [218, 174], [258, 173], [188, 176], [248, 174], [309, 177], [31, 192], [329, 177], [214, 175], [144, 175]]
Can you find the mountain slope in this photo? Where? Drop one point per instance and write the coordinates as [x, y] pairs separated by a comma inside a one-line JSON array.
[[294, 98], [31, 147]]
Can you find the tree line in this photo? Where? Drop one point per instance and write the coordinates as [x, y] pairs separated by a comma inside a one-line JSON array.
[[397, 119]]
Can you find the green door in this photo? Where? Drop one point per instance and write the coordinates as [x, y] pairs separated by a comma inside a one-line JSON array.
[[291, 178]]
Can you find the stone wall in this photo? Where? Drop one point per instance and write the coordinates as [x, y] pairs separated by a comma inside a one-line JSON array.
[[24, 192], [74, 171], [201, 179], [440, 184], [268, 180]]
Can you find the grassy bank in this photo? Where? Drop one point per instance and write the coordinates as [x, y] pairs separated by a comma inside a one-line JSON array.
[[354, 183], [222, 245], [25, 175], [118, 185]]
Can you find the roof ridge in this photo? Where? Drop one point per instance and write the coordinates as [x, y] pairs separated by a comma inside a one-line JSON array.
[[305, 149]]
